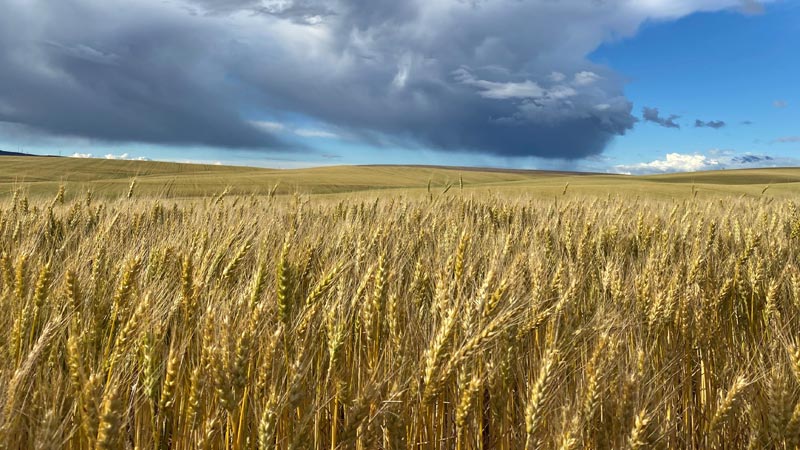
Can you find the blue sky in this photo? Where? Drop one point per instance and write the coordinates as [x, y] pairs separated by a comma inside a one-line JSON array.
[[712, 66], [617, 86]]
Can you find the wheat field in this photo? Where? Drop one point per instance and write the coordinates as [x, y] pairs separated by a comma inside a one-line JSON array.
[[461, 321], [110, 179]]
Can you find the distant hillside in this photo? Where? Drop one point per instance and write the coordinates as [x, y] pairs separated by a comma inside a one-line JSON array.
[[110, 178], [5, 153]]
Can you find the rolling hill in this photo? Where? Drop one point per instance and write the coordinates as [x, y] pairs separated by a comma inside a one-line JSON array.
[[5, 153], [42, 176]]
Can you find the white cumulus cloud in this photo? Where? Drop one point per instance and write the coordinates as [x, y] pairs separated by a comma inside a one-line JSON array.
[[715, 159], [122, 156], [673, 162]]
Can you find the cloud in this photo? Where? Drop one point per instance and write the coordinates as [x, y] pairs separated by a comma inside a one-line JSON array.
[[750, 159], [383, 72], [715, 159], [652, 115], [501, 91], [752, 7], [716, 124], [780, 104], [125, 156], [585, 78], [557, 77], [673, 162], [122, 156], [132, 72], [272, 127], [278, 127], [787, 140], [312, 133]]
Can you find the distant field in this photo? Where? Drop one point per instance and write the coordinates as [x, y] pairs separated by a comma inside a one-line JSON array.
[[109, 178]]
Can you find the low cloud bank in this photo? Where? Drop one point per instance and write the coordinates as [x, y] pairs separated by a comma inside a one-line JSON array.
[[122, 156], [713, 160]]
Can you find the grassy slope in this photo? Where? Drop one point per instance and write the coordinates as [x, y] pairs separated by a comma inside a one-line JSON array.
[[42, 176]]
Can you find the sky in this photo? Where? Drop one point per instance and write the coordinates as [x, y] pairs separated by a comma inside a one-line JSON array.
[[624, 86]]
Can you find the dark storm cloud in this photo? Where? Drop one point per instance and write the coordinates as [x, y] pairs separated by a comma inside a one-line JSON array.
[[652, 115], [716, 124], [452, 85], [493, 76], [143, 82]]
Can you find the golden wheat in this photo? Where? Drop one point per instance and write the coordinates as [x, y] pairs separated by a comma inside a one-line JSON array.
[[448, 320]]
